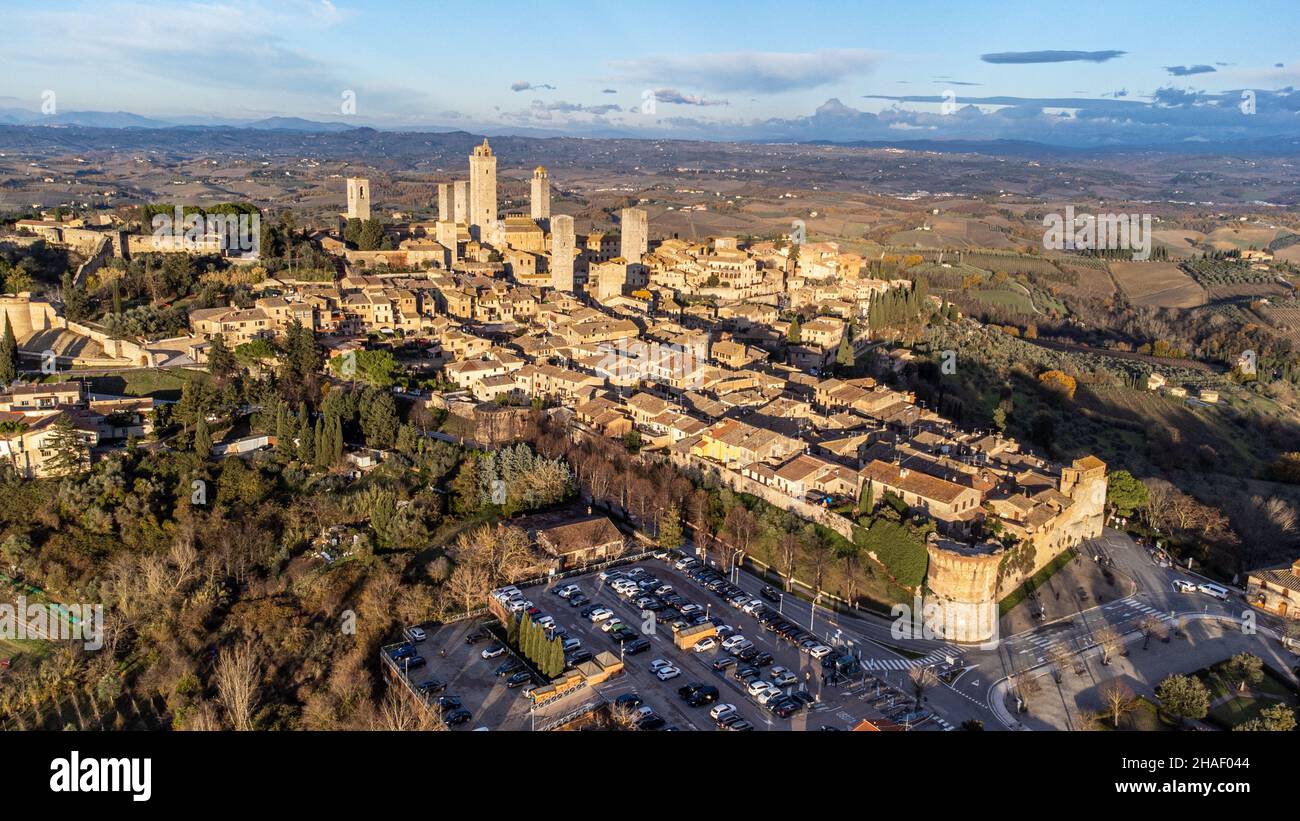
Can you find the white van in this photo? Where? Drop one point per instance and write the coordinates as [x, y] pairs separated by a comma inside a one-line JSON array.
[[1213, 590], [1184, 586]]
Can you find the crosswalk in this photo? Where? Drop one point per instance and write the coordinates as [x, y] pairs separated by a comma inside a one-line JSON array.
[[937, 656], [1120, 611]]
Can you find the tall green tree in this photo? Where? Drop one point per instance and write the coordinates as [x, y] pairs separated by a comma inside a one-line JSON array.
[[202, 438], [8, 355], [69, 451], [670, 529]]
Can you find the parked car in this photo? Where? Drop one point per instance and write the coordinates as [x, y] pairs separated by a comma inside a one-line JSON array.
[[579, 657], [651, 722], [723, 663], [600, 614], [758, 686], [761, 660], [721, 710], [704, 645], [509, 667], [821, 651], [457, 717], [658, 664], [732, 641], [570, 645], [402, 651], [638, 646], [784, 678], [628, 701], [431, 686], [416, 633], [493, 650], [705, 695], [447, 702], [666, 673], [519, 679], [477, 636], [1184, 586], [578, 600]]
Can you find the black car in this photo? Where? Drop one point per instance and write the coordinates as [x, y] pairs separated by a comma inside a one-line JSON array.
[[761, 660], [508, 667], [769, 594], [629, 701], [727, 720], [519, 679], [651, 722], [748, 654], [475, 638], [578, 600], [587, 611], [634, 647], [745, 672], [785, 708], [580, 656], [457, 716], [431, 686], [802, 696], [413, 663], [723, 663], [704, 695], [687, 690], [402, 651], [448, 703]]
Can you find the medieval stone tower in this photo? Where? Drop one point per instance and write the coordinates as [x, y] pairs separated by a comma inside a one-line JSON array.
[[562, 249], [460, 201], [961, 603], [358, 198], [482, 192], [634, 236], [446, 206], [541, 196]]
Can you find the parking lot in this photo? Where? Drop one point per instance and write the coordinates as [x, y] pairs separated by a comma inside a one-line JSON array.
[[466, 676], [840, 703], [760, 670]]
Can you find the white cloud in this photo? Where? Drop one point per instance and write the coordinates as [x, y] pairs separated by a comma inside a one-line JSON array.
[[754, 71]]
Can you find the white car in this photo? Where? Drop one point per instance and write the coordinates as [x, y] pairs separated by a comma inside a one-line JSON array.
[[783, 678], [729, 643], [668, 672], [611, 624], [659, 664], [821, 651], [1184, 586], [706, 644], [753, 606], [546, 622], [769, 694], [416, 634], [758, 686], [688, 562], [721, 710], [600, 614]]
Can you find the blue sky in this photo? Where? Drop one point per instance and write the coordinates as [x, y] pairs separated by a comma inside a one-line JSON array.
[[724, 68]]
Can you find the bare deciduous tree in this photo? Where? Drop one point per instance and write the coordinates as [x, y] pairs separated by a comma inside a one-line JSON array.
[[1118, 698], [238, 677]]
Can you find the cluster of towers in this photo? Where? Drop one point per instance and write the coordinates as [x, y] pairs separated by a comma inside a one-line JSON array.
[[467, 209]]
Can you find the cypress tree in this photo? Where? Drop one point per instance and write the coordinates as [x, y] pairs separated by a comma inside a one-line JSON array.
[[8, 355]]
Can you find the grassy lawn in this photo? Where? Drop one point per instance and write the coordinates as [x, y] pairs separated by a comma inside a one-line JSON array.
[[1246, 704], [10, 648], [1144, 717]]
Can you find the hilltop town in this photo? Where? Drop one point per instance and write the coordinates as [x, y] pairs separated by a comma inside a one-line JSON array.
[[614, 395]]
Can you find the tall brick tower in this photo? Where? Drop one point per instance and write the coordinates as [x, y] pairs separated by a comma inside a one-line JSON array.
[[562, 248], [358, 198], [482, 192], [634, 237], [541, 197]]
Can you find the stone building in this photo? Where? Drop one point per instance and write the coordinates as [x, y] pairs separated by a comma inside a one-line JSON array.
[[482, 193], [358, 198], [634, 235], [562, 252], [540, 201]]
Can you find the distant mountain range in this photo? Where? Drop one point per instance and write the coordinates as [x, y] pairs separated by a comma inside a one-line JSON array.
[[97, 129]]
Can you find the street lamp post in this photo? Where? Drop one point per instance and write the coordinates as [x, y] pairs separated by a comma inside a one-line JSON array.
[[780, 603]]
